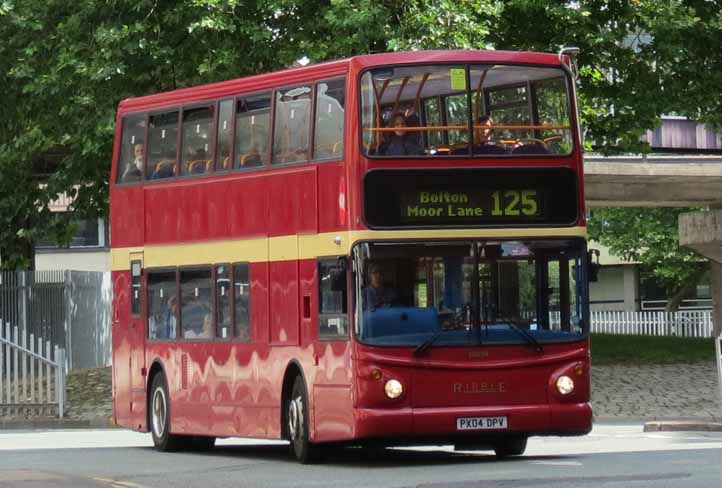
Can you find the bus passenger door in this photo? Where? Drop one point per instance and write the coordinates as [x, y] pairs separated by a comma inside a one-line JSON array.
[[136, 339], [331, 379]]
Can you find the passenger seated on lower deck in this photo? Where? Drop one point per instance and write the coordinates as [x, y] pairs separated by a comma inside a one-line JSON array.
[[400, 143], [376, 295]]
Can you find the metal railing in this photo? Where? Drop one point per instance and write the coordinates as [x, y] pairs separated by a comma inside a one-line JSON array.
[[690, 323], [32, 374], [70, 309]]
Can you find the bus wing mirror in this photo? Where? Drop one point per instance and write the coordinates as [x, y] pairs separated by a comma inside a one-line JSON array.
[[592, 265]]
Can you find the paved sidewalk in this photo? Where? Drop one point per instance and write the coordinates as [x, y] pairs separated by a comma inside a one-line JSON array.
[[656, 392]]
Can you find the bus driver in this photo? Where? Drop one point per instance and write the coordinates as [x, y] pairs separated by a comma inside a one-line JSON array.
[[376, 295]]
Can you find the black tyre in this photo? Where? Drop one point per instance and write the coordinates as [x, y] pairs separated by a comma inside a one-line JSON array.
[[297, 424], [159, 416], [510, 446]]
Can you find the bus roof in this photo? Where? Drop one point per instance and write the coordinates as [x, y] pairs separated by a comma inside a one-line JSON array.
[[292, 76]]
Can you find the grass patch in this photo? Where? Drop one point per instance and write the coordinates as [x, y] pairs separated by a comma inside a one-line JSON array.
[[631, 349]]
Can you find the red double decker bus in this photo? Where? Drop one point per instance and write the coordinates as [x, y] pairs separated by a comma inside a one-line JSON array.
[[383, 250]]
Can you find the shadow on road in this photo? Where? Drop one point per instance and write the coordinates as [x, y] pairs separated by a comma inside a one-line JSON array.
[[371, 458]]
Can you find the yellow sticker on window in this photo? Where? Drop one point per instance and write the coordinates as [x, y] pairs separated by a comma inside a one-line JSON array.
[[458, 78]]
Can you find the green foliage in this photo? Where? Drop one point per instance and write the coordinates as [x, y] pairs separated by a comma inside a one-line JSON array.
[[651, 237], [64, 66]]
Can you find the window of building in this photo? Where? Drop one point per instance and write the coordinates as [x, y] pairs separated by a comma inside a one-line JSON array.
[[223, 302], [132, 149], [162, 305], [242, 301], [89, 234], [328, 133], [253, 121], [332, 301], [291, 125], [196, 311], [162, 145], [197, 137], [225, 127]]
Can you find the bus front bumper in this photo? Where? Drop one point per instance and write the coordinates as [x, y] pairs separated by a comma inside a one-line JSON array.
[[408, 423]]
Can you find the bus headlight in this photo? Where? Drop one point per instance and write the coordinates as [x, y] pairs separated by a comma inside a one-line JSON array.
[[393, 389], [565, 385]]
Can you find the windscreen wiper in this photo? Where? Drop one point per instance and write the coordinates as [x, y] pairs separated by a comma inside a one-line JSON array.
[[429, 342], [525, 334]]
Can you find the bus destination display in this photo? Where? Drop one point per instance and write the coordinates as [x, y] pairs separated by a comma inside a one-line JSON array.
[[484, 197], [422, 205]]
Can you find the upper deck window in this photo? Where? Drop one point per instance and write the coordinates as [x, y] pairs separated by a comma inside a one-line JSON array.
[[197, 138], [292, 123], [459, 110], [163, 145], [132, 149], [328, 128], [253, 121]]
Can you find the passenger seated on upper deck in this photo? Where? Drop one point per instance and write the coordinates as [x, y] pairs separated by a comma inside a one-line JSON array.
[[400, 143], [134, 169], [376, 295], [483, 142]]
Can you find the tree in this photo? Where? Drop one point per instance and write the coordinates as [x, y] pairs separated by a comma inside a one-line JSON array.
[[650, 236], [64, 66]]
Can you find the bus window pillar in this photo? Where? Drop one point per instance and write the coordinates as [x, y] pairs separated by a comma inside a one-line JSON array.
[[564, 298]]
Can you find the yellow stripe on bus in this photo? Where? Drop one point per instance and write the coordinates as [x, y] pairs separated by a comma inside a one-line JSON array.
[[303, 246]]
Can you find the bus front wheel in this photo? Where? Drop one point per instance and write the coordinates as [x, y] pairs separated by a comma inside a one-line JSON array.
[[160, 417], [510, 446], [297, 423]]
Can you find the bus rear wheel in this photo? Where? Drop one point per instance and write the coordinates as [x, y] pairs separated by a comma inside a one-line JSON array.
[[159, 406], [297, 424], [510, 446]]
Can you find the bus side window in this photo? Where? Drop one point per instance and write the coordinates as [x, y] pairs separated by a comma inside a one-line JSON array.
[[328, 129], [162, 146], [135, 287], [253, 122], [162, 305], [291, 125], [332, 301], [197, 134], [196, 314], [132, 150], [242, 301]]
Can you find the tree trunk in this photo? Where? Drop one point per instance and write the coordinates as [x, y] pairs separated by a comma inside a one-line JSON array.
[[675, 300]]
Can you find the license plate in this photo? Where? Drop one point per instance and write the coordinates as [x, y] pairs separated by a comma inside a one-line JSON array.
[[481, 423]]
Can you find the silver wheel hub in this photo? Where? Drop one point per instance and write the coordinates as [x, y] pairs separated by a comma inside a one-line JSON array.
[[159, 412], [295, 418]]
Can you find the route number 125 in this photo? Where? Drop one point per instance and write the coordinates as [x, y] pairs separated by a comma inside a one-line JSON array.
[[513, 203]]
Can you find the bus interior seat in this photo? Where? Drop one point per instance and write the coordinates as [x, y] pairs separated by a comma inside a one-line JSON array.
[[164, 169], [198, 167], [250, 159], [400, 320]]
